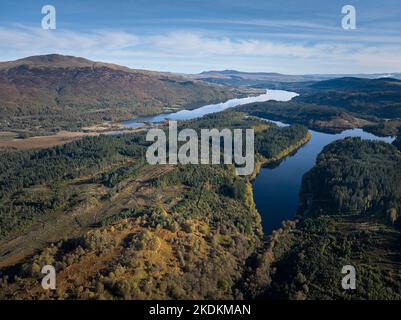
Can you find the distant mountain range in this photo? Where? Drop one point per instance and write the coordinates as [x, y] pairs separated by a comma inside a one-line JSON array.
[[338, 104], [52, 92], [233, 77]]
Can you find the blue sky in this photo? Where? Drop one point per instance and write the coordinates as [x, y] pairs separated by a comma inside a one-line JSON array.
[[287, 36]]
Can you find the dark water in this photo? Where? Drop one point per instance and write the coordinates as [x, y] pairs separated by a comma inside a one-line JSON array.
[[276, 189]]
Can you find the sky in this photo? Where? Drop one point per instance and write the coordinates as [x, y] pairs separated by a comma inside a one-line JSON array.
[[191, 36]]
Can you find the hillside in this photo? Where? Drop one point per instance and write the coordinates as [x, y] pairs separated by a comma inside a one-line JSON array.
[[363, 97], [353, 176], [316, 117], [255, 76], [349, 215], [358, 84], [115, 227], [269, 80], [339, 104], [55, 91], [273, 80]]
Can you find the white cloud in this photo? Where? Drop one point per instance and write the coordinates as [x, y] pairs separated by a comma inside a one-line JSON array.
[[26, 39], [185, 43], [193, 52]]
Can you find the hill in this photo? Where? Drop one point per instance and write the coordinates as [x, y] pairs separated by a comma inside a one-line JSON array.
[[349, 215], [273, 80], [338, 104], [354, 176], [364, 97], [270, 80], [55, 91], [353, 84], [115, 227]]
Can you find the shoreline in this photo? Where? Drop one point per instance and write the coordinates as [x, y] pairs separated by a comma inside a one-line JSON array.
[[262, 161], [259, 164]]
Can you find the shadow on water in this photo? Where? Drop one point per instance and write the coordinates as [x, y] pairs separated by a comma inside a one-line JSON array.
[[276, 188]]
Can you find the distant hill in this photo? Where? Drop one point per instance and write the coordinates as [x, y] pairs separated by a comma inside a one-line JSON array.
[[339, 104], [275, 80], [251, 78], [353, 83], [79, 89], [247, 75], [369, 97]]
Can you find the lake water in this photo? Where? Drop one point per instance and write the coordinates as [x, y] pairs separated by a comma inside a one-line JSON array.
[[276, 95], [276, 189]]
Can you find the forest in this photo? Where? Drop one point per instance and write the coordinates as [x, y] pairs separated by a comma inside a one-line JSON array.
[[118, 228], [339, 104], [349, 215], [364, 97], [115, 227], [314, 116], [354, 177]]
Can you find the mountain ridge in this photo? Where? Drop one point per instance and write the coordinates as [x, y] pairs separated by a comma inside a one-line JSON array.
[[66, 90], [277, 80]]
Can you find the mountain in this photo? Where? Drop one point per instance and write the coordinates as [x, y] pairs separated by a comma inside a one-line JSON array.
[[339, 104], [275, 80], [364, 97], [70, 88], [234, 77], [360, 84], [249, 75]]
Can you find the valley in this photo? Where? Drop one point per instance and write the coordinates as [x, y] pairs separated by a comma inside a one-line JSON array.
[[42, 95], [84, 199], [339, 223], [137, 234]]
